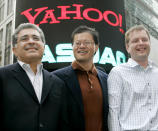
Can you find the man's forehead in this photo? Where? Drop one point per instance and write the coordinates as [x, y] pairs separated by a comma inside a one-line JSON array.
[[137, 33], [28, 31]]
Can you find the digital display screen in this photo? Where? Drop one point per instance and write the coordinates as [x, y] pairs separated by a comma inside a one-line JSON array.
[[58, 18]]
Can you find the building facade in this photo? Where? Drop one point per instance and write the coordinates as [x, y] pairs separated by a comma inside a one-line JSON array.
[[7, 22], [137, 12], [144, 12]]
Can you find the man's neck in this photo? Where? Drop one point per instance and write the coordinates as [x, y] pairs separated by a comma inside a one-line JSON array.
[[143, 63], [33, 65], [86, 66]]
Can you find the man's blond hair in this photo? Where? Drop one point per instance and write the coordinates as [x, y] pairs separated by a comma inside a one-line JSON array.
[[135, 28]]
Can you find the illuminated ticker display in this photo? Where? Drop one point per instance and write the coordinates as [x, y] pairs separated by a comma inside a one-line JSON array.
[[58, 18], [64, 53]]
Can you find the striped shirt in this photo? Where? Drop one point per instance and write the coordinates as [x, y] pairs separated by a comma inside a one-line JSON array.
[[133, 97], [36, 79]]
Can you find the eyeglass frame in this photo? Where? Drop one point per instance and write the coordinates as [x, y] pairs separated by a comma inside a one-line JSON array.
[[85, 43]]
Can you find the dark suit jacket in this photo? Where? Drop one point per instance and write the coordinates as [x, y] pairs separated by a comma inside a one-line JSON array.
[[76, 109], [20, 109]]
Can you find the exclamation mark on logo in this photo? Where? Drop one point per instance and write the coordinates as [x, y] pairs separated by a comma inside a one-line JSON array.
[[120, 24]]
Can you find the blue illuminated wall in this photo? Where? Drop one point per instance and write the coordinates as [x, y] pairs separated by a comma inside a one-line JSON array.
[[64, 54]]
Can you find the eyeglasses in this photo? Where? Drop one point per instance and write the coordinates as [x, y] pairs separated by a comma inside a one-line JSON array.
[[85, 43]]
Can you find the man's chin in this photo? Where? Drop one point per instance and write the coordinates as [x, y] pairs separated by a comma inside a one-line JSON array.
[[34, 57], [82, 60], [142, 58]]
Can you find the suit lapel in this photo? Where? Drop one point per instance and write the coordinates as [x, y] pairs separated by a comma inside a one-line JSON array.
[[21, 76], [103, 82], [46, 85], [73, 84]]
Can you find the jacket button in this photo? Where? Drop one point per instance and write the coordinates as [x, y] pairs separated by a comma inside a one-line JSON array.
[[41, 125]]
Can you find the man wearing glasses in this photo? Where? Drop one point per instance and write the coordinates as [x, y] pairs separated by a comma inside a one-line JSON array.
[[87, 86]]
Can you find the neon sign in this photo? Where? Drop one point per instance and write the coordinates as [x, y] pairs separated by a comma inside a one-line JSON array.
[[84, 15], [58, 18], [64, 53]]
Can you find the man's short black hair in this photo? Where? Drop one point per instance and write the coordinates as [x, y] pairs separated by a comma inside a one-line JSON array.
[[84, 28]]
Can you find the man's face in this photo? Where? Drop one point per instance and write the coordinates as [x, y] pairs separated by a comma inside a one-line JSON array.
[[139, 45], [84, 47], [29, 47]]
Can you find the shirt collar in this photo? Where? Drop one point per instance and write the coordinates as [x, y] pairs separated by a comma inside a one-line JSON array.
[[76, 66], [133, 63], [26, 66]]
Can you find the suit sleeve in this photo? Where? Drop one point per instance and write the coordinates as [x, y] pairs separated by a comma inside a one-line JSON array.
[[114, 95], [64, 110]]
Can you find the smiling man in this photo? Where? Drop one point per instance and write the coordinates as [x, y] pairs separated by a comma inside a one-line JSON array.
[[133, 87], [87, 86], [31, 99]]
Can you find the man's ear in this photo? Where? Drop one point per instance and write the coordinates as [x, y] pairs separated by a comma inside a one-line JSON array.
[[96, 48], [127, 47], [14, 51]]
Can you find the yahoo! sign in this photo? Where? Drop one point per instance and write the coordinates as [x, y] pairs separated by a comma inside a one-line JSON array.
[[58, 18], [49, 15]]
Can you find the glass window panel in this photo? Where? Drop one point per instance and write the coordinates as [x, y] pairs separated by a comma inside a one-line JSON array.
[[1, 12], [8, 44], [1, 39], [10, 7]]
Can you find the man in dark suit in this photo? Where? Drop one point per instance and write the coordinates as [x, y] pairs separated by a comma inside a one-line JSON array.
[[86, 85], [31, 99]]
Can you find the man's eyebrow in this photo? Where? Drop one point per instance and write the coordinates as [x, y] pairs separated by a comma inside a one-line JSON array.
[[24, 35], [36, 35]]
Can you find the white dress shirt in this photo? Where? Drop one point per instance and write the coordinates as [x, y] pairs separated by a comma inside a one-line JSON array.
[[36, 79], [133, 97]]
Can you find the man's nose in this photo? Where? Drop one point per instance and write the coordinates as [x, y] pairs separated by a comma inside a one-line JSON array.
[[83, 44], [31, 40], [141, 41]]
